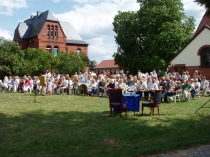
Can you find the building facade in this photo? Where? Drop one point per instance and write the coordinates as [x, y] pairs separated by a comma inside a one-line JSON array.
[[45, 31], [195, 55]]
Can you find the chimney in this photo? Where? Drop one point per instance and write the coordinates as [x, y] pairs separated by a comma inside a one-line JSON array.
[[39, 13], [32, 16]]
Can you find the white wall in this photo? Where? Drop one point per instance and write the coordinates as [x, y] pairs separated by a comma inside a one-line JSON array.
[[188, 56]]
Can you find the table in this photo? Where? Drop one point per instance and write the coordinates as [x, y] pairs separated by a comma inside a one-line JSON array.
[[133, 102]]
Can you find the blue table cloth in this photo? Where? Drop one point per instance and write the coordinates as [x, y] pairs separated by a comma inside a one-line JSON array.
[[133, 102]]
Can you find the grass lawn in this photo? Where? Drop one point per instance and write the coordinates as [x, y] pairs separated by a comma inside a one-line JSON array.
[[68, 125]]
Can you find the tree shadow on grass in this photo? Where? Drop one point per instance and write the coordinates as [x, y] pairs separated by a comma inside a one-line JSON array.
[[74, 133]]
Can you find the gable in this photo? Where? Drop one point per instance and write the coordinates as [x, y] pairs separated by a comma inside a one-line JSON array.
[[33, 26], [189, 53]]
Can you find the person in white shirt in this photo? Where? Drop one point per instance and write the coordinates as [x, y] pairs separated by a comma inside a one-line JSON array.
[[141, 87], [81, 79], [94, 86], [133, 87], [151, 87], [14, 84], [197, 86], [204, 85], [65, 84], [122, 85], [93, 73]]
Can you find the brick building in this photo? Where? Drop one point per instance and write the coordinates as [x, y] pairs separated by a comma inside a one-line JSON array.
[[44, 31], [195, 55], [107, 65]]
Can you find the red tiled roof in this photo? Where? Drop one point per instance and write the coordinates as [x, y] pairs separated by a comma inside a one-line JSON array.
[[106, 64], [205, 21]]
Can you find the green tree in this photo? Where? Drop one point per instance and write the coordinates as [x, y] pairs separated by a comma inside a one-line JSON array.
[[36, 60], [69, 63], [148, 38], [92, 64], [11, 58], [205, 3]]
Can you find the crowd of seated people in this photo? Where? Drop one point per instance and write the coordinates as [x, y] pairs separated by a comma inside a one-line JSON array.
[[89, 83]]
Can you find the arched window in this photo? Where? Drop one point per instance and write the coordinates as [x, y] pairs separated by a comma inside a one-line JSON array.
[[52, 31], [78, 50], [56, 32], [49, 48], [205, 57], [48, 31], [56, 50]]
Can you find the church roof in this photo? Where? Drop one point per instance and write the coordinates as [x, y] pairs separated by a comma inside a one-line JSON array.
[[205, 21], [106, 64], [33, 26]]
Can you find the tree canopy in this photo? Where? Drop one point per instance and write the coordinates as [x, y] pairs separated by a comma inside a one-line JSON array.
[[206, 4], [148, 38], [14, 61], [11, 57]]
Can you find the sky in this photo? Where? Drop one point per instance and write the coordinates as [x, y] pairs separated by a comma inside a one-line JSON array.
[[92, 19]]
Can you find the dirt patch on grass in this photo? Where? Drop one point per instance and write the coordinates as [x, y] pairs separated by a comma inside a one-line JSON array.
[[110, 142]]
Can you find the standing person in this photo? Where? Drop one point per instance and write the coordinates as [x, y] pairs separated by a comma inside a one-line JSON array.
[[49, 87], [43, 83]]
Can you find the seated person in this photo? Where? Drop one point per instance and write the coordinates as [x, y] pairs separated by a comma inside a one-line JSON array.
[[196, 89], [64, 84], [75, 81], [27, 85], [166, 88], [187, 87], [14, 83], [152, 85], [174, 90], [110, 85], [122, 85], [93, 87], [204, 85], [21, 85], [101, 87], [58, 86], [141, 87], [132, 87]]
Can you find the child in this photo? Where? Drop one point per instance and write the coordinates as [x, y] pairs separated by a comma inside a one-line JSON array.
[[49, 87]]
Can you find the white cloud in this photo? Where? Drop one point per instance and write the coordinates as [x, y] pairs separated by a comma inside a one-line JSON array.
[[192, 9], [92, 19], [7, 6], [6, 34], [86, 1], [56, 1], [94, 23]]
